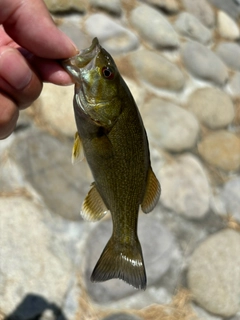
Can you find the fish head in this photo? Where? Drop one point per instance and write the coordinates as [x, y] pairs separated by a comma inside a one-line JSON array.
[[97, 82]]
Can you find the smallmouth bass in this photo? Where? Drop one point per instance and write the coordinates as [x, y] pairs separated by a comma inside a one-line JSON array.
[[113, 139]]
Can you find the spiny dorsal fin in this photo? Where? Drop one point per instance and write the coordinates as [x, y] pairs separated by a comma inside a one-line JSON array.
[[152, 192], [77, 150], [93, 207]]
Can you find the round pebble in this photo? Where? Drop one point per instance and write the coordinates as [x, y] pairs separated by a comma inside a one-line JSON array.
[[201, 10], [226, 51], [214, 276], [154, 27], [190, 27], [221, 149], [65, 5], [169, 6], [234, 85], [166, 76], [212, 107], [111, 6], [202, 63], [122, 316], [232, 8], [180, 192], [178, 129], [227, 27], [231, 196]]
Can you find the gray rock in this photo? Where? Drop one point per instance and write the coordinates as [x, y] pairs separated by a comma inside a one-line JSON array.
[[185, 187], [165, 76], [170, 126], [122, 316], [169, 6], [213, 275], [30, 267], [232, 8], [221, 149], [111, 6], [201, 10], [212, 107], [231, 196], [158, 248], [66, 5], [46, 164], [227, 27], [234, 85], [202, 314], [190, 27], [112, 36], [203, 63], [229, 53], [153, 27]]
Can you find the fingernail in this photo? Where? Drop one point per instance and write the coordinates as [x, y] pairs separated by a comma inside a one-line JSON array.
[[14, 69]]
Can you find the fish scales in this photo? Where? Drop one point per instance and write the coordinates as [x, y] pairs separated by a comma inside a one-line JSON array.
[[114, 141]]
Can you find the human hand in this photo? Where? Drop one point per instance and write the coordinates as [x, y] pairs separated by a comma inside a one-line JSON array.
[[30, 44]]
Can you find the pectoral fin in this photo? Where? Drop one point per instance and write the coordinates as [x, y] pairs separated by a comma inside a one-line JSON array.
[[152, 192], [93, 207], [77, 150]]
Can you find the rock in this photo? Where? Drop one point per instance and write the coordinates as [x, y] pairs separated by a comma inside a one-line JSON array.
[[169, 6], [190, 27], [213, 275], [203, 63], [55, 108], [212, 107], [66, 5], [234, 85], [112, 36], [111, 6], [202, 314], [138, 91], [166, 76], [158, 248], [122, 316], [28, 252], [232, 8], [227, 51], [227, 27], [178, 129], [201, 10], [231, 196], [153, 27], [185, 187], [46, 164], [221, 149]]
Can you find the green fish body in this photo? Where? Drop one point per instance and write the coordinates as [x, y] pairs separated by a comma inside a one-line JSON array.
[[114, 142]]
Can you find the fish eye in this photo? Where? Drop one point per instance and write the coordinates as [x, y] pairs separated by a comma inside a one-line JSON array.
[[108, 73]]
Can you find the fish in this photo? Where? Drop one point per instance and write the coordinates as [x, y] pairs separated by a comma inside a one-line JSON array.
[[112, 138]]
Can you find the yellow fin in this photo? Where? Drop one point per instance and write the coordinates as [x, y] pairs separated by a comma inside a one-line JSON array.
[[93, 207], [152, 192], [77, 150]]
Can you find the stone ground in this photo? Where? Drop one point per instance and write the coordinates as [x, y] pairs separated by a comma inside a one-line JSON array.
[[181, 60]]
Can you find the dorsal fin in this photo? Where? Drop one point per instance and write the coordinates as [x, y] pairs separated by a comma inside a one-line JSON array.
[[77, 150], [93, 207], [152, 192]]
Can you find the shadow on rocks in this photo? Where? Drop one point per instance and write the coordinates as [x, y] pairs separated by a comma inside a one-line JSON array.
[[35, 307]]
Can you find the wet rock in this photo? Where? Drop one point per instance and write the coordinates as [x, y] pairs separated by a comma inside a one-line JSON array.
[[226, 51], [55, 108], [153, 27], [66, 5], [178, 129], [169, 6], [46, 164], [221, 149], [213, 275], [212, 107], [203, 63], [190, 27], [231, 196], [185, 187], [111, 6], [201, 10], [158, 248], [232, 8], [112, 36], [30, 268], [166, 76], [227, 27]]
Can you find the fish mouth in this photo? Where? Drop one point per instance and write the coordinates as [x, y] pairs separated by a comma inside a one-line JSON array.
[[84, 60]]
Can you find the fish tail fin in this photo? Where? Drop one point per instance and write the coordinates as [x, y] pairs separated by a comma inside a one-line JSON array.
[[123, 262]]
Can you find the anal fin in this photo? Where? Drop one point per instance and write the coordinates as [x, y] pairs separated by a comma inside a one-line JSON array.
[[152, 192], [93, 207]]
